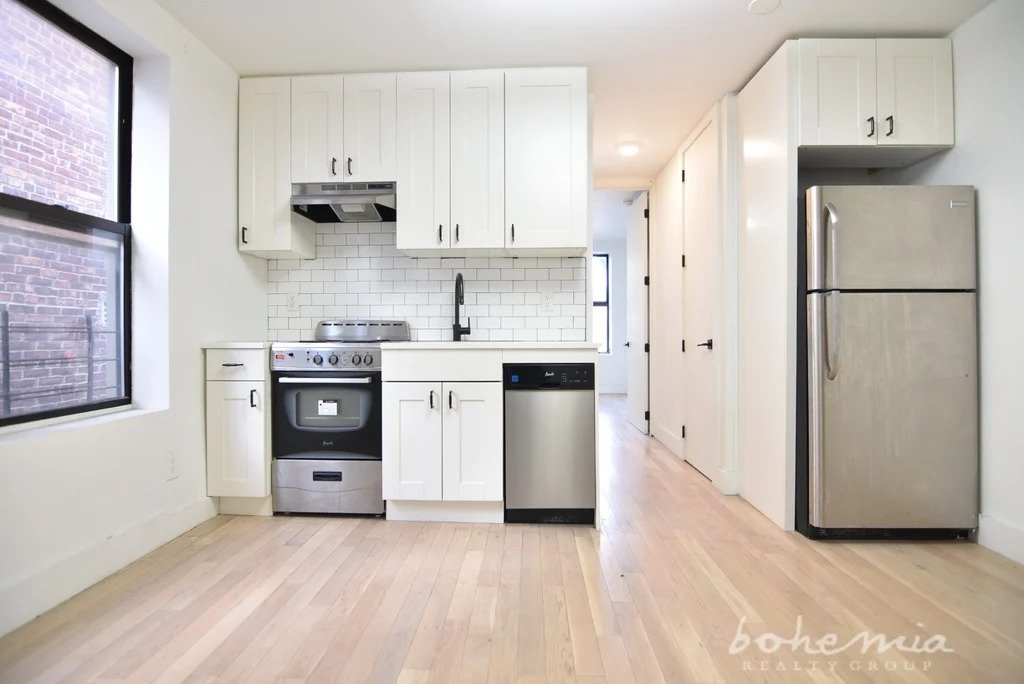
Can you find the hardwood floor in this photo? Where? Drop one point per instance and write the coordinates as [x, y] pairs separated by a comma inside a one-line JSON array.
[[657, 596]]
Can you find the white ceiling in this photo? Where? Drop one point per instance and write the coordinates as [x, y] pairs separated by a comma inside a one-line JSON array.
[[656, 66]]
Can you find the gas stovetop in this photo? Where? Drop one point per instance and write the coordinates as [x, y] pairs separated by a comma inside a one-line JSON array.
[[340, 345]]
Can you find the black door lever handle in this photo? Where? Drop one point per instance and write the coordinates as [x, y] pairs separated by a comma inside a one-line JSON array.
[[710, 344]]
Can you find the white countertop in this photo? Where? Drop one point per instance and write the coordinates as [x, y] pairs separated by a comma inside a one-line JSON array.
[[451, 346], [236, 345]]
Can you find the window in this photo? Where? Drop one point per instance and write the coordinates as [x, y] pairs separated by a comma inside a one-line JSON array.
[[602, 329], [65, 239]]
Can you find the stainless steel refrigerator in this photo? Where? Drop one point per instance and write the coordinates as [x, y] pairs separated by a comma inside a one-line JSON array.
[[892, 361]]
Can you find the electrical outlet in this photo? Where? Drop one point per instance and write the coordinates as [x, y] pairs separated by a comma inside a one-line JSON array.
[[545, 305], [291, 303], [172, 465]]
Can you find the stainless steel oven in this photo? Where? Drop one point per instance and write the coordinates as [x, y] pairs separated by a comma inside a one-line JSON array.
[[326, 425]]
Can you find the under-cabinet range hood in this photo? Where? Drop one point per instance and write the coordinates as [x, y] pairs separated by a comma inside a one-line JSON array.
[[344, 202]]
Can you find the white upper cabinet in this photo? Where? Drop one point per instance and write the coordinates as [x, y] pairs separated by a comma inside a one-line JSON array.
[[478, 159], [267, 227], [546, 174], [837, 92], [370, 127], [867, 93], [473, 449], [411, 412], [423, 154], [915, 91], [317, 129]]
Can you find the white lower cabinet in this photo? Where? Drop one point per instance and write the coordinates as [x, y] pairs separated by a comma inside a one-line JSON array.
[[237, 461], [442, 441]]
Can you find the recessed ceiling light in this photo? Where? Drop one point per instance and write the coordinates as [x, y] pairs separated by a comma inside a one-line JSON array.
[[629, 149], [763, 6]]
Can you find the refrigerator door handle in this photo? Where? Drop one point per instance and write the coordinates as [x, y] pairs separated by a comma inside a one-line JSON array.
[[831, 217], [831, 337]]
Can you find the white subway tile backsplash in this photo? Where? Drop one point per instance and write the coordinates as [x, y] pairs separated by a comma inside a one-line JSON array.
[[358, 273]]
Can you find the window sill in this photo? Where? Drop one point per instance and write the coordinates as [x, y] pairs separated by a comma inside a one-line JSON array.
[[76, 421]]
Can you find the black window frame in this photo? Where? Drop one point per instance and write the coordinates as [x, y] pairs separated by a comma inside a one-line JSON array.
[[606, 302], [86, 224]]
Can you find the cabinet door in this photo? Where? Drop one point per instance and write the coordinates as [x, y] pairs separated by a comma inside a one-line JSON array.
[[546, 158], [423, 154], [473, 445], [412, 440], [370, 127], [264, 158], [837, 92], [317, 118], [478, 159], [915, 89], [237, 459]]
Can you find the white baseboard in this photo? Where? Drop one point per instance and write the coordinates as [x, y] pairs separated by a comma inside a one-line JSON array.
[[447, 511], [246, 505], [727, 482], [1001, 536], [24, 599]]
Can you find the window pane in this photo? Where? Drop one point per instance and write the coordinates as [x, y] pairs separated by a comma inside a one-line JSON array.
[[58, 116], [600, 276], [601, 328], [60, 317]]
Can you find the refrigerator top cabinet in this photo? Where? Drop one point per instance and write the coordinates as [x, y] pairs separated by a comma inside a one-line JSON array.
[[890, 238], [892, 361]]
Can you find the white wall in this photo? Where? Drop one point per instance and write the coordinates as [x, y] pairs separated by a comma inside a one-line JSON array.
[[82, 499], [358, 273], [666, 318], [766, 353], [612, 366], [988, 60]]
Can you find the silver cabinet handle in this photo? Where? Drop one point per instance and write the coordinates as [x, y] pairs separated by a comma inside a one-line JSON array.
[[456, 232], [871, 121], [431, 400], [232, 365], [450, 399], [324, 381], [892, 123], [349, 166], [334, 166], [252, 398]]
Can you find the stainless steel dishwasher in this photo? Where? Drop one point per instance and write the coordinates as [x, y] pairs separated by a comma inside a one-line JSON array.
[[550, 444]]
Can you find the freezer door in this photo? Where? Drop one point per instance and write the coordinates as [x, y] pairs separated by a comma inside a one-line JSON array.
[[890, 238], [893, 410]]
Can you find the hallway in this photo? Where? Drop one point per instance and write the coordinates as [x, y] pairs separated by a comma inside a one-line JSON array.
[[657, 595]]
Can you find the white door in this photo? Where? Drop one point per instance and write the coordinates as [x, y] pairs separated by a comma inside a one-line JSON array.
[[837, 92], [423, 154], [370, 127], [264, 159], [546, 157], [411, 457], [237, 463], [915, 91], [701, 237], [478, 159], [317, 125], [473, 445], [637, 390]]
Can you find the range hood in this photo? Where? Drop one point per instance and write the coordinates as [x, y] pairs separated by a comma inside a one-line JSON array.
[[344, 202]]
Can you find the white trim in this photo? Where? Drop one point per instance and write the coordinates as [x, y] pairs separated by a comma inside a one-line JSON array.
[[87, 419], [447, 511], [1001, 536], [262, 506], [28, 597]]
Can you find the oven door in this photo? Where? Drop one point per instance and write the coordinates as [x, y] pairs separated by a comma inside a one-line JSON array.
[[334, 415]]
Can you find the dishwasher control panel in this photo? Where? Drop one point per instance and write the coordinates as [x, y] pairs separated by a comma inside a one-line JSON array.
[[544, 376]]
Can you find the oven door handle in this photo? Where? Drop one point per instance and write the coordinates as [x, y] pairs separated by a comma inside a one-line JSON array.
[[325, 381]]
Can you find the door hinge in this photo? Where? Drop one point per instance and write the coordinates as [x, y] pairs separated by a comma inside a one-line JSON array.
[[647, 415], [647, 347], [647, 280], [684, 432], [683, 345], [684, 261], [647, 213], [684, 176]]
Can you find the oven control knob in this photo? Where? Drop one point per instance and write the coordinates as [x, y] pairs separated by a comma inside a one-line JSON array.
[[332, 359], [356, 360], [367, 360], [318, 359]]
